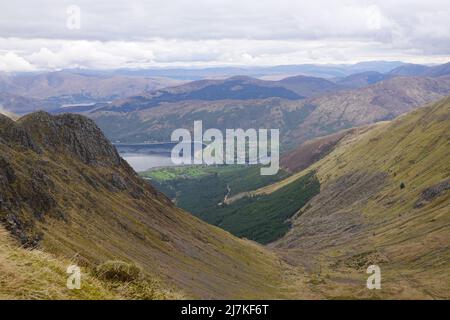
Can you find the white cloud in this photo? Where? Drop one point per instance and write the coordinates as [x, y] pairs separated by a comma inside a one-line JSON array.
[[10, 62], [203, 32], [89, 54]]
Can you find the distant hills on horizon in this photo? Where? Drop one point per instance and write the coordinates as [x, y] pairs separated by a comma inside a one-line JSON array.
[[197, 73], [136, 108], [24, 92]]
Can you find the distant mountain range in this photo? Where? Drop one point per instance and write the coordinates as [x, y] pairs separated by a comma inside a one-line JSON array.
[[313, 70], [53, 90], [130, 107], [142, 118], [22, 104], [49, 91], [234, 88], [363, 79], [421, 70]]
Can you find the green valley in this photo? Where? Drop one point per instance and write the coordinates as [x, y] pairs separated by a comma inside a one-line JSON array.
[[204, 190]]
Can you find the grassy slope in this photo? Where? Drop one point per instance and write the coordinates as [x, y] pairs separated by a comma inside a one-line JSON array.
[[26, 274], [34, 274], [363, 216]]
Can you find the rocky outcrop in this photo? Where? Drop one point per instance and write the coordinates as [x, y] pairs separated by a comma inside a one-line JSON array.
[[70, 133], [15, 136], [431, 193], [29, 190]]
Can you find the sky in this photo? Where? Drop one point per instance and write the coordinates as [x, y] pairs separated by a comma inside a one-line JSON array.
[[52, 35]]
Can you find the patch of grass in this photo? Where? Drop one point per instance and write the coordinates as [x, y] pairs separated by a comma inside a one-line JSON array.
[[118, 271], [166, 174], [36, 275]]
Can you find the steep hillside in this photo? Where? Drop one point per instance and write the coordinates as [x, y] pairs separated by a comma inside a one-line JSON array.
[[384, 199], [26, 274], [64, 189], [384, 100], [37, 275], [311, 151]]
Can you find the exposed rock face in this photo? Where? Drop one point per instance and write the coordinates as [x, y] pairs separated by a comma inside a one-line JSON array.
[[28, 183], [432, 192], [13, 135], [7, 175], [71, 133]]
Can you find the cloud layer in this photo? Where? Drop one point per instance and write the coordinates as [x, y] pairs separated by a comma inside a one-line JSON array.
[[41, 35]]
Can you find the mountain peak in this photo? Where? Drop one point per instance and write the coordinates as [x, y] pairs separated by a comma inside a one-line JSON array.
[[74, 134], [12, 134], [5, 121]]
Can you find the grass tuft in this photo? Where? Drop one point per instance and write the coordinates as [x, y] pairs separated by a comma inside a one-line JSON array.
[[118, 271]]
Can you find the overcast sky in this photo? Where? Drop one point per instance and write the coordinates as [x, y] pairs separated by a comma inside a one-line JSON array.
[[44, 34]]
